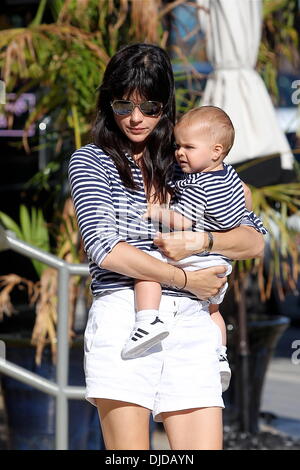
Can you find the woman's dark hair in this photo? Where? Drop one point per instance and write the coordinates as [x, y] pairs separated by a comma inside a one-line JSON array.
[[146, 69]]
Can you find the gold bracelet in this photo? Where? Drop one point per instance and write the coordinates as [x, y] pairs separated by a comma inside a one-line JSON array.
[[172, 280]]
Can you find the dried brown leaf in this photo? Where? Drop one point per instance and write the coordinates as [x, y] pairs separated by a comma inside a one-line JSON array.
[[144, 20]]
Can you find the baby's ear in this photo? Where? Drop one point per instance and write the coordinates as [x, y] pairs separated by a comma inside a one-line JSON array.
[[218, 150]]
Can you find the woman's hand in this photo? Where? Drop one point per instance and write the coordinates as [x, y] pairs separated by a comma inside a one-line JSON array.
[[179, 245], [206, 283]]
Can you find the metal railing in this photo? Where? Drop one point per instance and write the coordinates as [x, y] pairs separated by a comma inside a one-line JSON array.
[[61, 390]]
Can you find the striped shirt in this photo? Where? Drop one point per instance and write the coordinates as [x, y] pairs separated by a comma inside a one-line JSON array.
[[108, 212], [212, 200]]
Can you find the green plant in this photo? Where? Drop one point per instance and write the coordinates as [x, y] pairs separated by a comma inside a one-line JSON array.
[[67, 58], [32, 229], [275, 204], [280, 39]]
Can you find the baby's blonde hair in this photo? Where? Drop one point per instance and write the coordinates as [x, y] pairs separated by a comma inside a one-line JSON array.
[[215, 122]]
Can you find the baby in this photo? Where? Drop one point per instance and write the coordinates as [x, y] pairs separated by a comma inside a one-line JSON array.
[[211, 197]]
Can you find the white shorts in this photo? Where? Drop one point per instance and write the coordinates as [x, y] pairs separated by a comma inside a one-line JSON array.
[[180, 373], [193, 263]]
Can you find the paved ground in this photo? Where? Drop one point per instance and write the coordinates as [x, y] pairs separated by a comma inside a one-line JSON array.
[[281, 394]]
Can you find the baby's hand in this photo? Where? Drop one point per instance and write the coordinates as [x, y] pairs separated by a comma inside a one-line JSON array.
[[146, 215]]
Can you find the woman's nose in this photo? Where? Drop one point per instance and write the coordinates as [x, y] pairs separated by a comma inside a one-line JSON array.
[[136, 115]]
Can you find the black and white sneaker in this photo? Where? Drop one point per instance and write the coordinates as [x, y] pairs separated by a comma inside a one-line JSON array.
[[143, 337], [225, 371]]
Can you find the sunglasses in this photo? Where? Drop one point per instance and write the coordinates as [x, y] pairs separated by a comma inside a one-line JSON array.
[[126, 107]]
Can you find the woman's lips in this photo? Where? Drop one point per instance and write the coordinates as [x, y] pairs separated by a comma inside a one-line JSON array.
[[136, 130]]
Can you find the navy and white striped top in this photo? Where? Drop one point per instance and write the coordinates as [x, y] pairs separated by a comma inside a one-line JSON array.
[[213, 200], [108, 212]]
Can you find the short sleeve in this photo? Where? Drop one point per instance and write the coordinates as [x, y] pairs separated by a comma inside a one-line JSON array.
[[252, 220]]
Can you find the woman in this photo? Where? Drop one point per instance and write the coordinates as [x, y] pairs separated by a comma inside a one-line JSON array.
[[112, 180]]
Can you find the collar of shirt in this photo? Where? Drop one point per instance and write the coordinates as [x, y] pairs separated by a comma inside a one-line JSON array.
[[194, 177], [131, 159]]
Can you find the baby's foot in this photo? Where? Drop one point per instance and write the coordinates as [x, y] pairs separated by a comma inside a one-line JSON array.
[[143, 336], [225, 371]]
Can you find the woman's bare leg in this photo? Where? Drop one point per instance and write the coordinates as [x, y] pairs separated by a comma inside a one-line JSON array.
[[194, 429], [125, 426]]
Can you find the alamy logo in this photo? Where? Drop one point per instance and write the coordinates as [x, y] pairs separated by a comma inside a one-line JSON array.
[[2, 350], [296, 94], [128, 221], [296, 354], [2, 92]]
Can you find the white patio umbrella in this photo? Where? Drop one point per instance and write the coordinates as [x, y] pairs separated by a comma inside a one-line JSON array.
[[233, 32]]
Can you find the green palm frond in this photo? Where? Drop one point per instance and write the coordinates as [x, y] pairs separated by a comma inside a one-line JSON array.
[[275, 204], [31, 229]]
